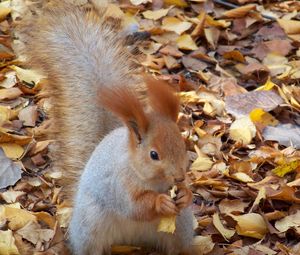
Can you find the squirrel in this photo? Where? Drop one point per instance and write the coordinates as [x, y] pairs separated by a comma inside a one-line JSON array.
[[119, 172]]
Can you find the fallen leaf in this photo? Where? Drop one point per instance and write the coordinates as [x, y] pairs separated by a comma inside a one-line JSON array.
[[33, 233], [203, 244], [226, 233], [212, 35], [227, 206], [243, 177], [260, 116], [28, 76], [251, 224], [29, 115], [12, 150], [239, 12], [7, 243], [11, 196], [10, 93], [235, 55], [285, 134], [18, 218], [242, 104], [260, 196], [179, 3], [155, 15], [138, 2], [242, 130], [4, 11], [291, 27], [175, 25], [288, 222], [10, 173], [282, 170], [202, 163], [186, 42], [9, 81], [168, 224]]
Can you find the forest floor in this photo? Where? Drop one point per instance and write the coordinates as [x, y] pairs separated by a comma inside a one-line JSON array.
[[237, 71]]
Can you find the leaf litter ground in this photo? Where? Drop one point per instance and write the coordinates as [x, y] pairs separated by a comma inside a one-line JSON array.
[[237, 74]]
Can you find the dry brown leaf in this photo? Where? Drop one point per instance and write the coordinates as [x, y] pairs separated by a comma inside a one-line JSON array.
[[10, 93], [239, 12], [226, 233], [251, 224], [288, 222]]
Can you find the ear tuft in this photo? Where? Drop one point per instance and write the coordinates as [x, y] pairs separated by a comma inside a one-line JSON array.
[[123, 102], [162, 98]]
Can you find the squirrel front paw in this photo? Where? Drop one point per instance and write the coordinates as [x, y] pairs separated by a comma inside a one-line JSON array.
[[165, 205], [184, 197]]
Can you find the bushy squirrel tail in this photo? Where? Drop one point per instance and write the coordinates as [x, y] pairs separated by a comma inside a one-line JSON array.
[[80, 51]]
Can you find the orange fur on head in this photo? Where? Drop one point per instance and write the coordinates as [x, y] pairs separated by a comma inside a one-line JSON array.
[[162, 98], [124, 102]]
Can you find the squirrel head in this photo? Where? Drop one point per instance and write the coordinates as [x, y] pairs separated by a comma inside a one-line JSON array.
[[156, 148]]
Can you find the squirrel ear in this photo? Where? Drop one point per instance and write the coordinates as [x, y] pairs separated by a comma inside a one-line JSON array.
[[162, 98], [124, 103]]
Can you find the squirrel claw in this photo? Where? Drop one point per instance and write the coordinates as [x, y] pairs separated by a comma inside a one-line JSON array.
[[165, 206], [184, 198]]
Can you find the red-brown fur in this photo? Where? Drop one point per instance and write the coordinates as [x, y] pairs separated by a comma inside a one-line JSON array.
[[162, 98]]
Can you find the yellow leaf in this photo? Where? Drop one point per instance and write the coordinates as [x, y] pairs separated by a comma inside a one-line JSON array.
[[242, 177], [7, 243], [216, 23], [251, 224], [286, 168], [4, 11], [17, 218], [291, 27], [167, 224], [226, 233], [240, 11], [265, 118], [188, 97], [6, 114], [180, 3], [202, 163], [186, 42], [155, 15], [175, 25], [267, 86], [12, 150], [28, 76], [242, 130]]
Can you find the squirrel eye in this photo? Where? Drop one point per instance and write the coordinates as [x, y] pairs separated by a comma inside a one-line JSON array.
[[154, 155]]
